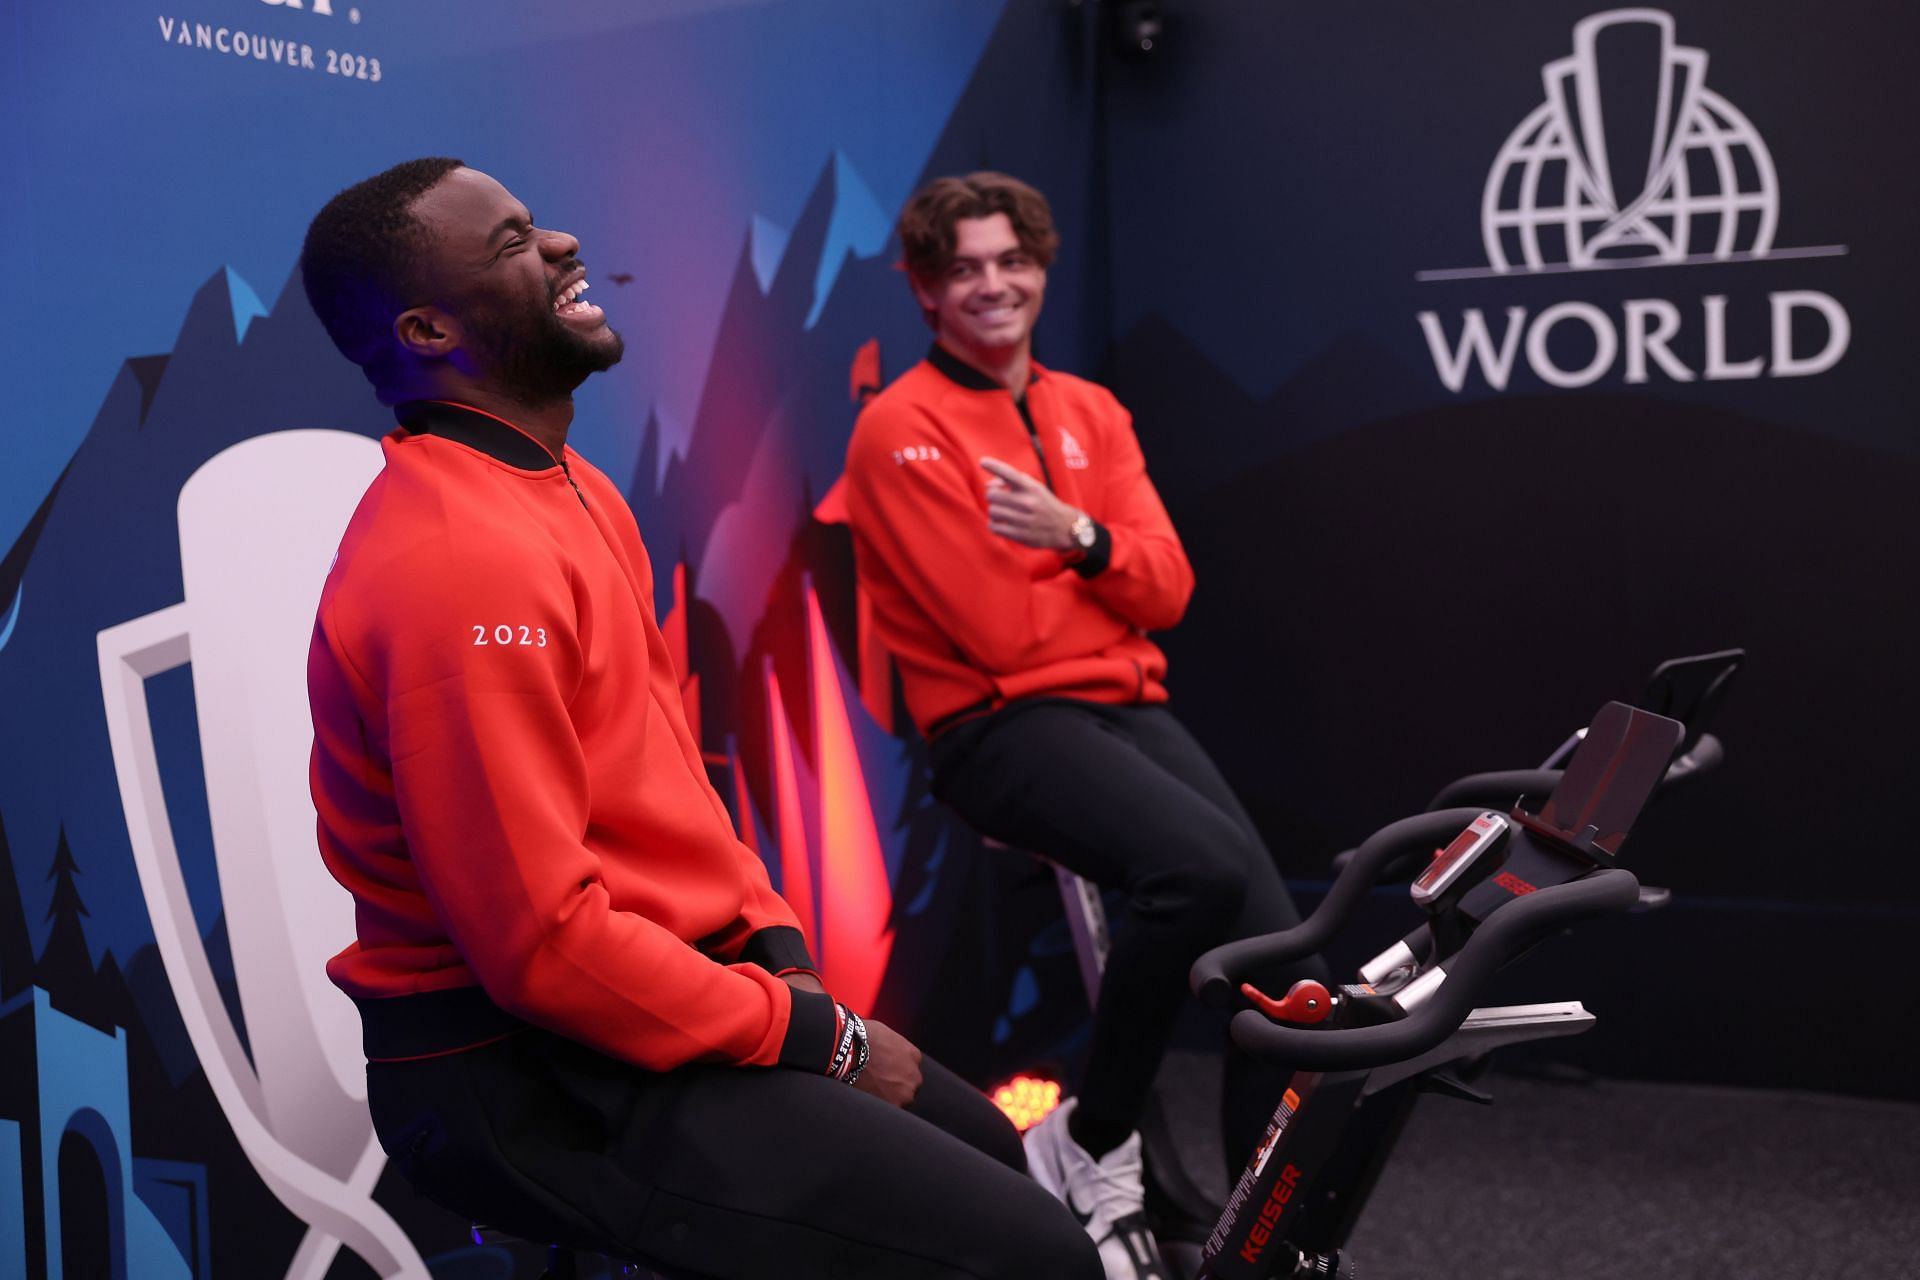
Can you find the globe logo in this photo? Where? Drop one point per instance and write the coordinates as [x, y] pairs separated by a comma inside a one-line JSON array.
[[1630, 161]]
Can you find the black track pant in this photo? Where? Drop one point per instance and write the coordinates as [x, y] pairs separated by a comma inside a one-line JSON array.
[[724, 1172], [1125, 797]]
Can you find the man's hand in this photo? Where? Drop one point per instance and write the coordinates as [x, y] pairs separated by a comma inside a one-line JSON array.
[[1024, 510], [893, 1066]]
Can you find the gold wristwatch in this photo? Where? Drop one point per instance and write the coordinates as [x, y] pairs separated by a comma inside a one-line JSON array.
[[1082, 532]]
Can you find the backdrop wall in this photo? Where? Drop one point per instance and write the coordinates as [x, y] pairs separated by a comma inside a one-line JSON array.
[[1453, 476], [1427, 542]]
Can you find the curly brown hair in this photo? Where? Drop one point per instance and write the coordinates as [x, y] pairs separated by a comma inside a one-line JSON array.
[[926, 224]]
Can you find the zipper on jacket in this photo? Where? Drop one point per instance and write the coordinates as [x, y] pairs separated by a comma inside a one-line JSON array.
[[1033, 437], [567, 471]]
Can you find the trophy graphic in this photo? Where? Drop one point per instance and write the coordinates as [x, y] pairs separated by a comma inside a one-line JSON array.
[[259, 523], [1631, 156]]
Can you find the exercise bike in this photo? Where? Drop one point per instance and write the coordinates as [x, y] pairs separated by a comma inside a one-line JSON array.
[[1362, 1053], [1688, 689]]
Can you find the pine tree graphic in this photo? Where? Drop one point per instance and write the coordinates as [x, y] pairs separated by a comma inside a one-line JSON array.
[[66, 965]]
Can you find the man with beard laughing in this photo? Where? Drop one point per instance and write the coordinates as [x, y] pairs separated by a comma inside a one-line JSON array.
[[589, 1019]]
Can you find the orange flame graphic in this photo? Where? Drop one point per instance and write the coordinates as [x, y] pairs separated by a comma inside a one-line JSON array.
[[789, 824], [855, 939]]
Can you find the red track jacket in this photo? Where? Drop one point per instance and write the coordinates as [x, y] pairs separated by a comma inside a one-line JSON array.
[[974, 620], [506, 781]]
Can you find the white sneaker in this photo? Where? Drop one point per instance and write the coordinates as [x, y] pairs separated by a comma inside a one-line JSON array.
[[1106, 1195]]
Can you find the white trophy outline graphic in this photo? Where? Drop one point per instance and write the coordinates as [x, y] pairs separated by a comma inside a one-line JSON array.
[[1571, 127], [1563, 152], [259, 523]]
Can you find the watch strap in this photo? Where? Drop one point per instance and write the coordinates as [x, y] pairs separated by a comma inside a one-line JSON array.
[[1097, 556]]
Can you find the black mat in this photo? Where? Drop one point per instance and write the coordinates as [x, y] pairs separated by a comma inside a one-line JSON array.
[[1604, 1179]]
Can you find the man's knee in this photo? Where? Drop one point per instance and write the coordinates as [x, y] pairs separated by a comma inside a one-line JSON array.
[[1039, 1237], [1200, 891]]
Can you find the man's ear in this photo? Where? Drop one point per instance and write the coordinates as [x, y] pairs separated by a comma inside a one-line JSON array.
[[929, 303], [924, 295], [426, 332]]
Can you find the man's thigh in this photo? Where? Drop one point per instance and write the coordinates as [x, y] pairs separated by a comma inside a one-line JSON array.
[[720, 1172], [1158, 733], [1162, 737], [779, 1173], [1068, 781]]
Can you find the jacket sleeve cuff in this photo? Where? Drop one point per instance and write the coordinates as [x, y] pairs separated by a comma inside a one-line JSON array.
[[810, 1030], [1098, 556], [777, 948]]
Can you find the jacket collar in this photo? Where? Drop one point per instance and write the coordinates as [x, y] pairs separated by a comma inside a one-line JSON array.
[[958, 370], [477, 429]]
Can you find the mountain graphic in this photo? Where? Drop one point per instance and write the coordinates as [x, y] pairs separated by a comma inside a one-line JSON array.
[[768, 439], [104, 549]]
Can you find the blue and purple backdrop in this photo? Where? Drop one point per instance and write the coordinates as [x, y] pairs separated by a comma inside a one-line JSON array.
[[1484, 356]]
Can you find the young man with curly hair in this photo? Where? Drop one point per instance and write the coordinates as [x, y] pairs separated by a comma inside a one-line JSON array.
[[1017, 556]]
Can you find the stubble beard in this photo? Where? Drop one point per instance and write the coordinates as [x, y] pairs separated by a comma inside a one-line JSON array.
[[539, 359]]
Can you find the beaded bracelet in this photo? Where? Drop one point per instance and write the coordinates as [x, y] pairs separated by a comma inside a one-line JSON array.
[[851, 1050], [861, 1048], [843, 1053]]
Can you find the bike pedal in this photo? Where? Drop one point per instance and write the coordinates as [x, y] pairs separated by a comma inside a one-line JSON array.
[[1324, 1266]]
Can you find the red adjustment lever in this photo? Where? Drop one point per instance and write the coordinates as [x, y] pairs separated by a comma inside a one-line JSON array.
[[1305, 1003]]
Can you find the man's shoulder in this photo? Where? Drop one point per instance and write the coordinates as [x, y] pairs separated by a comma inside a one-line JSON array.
[[422, 496], [419, 535], [1076, 389], [916, 390], [905, 412]]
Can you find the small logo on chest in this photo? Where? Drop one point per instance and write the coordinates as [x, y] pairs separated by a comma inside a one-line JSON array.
[[1070, 450]]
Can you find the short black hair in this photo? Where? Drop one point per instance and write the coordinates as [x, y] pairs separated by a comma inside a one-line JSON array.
[[360, 262]]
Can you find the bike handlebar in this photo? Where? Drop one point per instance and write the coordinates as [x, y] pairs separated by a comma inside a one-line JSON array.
[[1706, 756], [1498, 791], [1504, 934], [1216, 976]]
